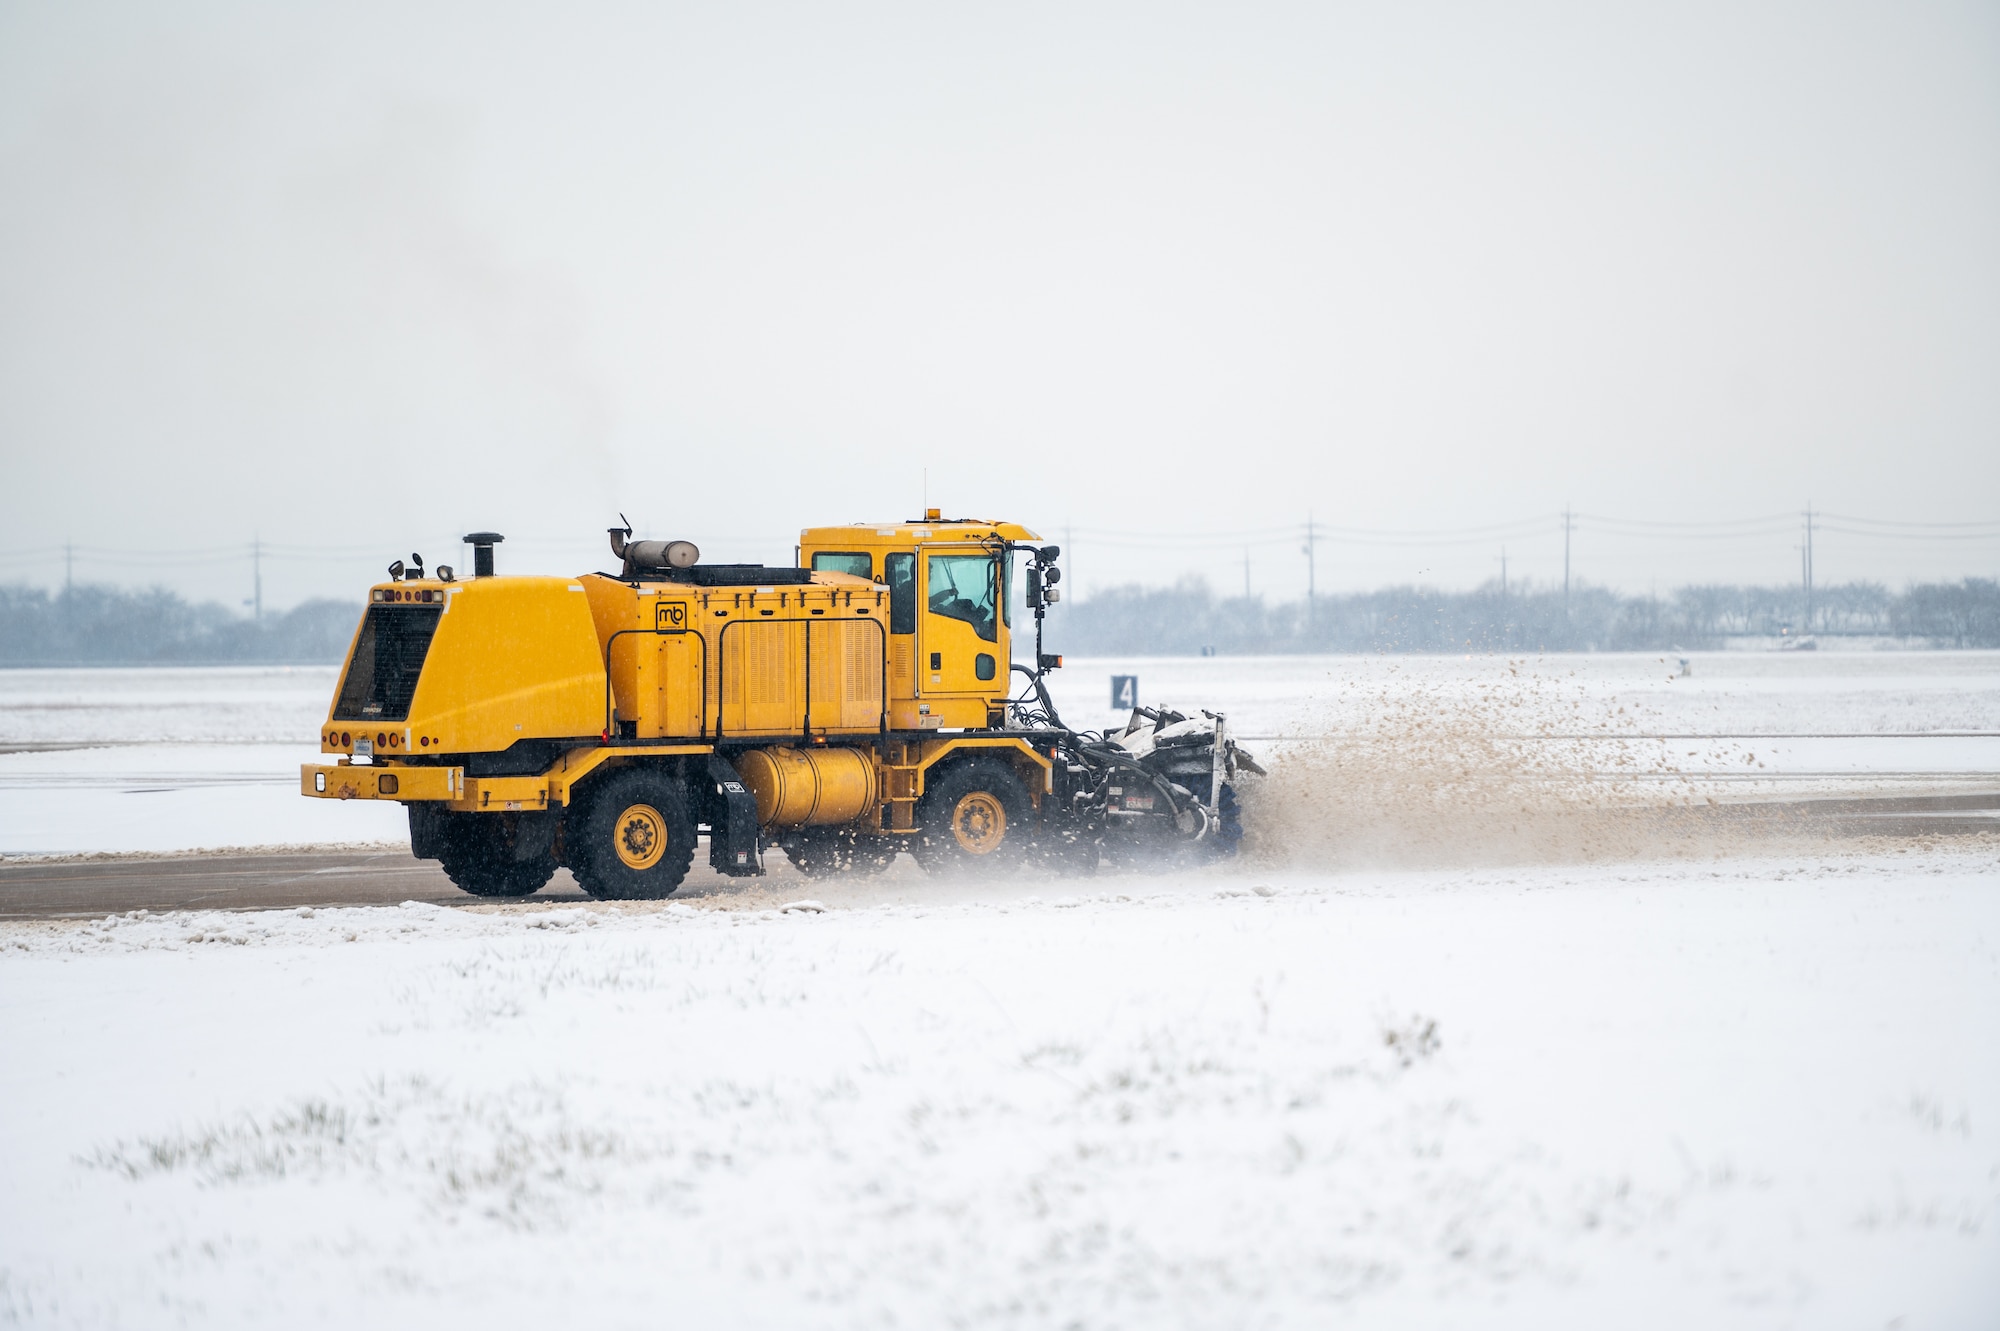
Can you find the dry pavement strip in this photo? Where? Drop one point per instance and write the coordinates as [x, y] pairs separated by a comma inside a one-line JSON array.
[[59, 889], [265, 881], [277, 880]]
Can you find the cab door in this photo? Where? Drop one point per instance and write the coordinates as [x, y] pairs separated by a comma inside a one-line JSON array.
[[961, 634]]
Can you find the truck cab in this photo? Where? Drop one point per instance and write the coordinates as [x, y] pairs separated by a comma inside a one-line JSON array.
[[950, 584]]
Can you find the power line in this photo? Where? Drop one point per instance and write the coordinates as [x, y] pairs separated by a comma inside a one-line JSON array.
[[1760, 521], [1313, 533], [1988, 524], [1821, 524]]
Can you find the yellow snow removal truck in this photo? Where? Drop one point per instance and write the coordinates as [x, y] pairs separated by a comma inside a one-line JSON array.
[[839, 711]]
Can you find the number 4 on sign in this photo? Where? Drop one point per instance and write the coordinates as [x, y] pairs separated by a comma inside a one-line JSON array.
[[1124, 691]]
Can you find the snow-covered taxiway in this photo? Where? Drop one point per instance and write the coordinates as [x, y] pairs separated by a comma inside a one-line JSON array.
[[1458, 1076]]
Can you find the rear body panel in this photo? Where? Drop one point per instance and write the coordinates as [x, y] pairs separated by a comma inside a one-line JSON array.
[[469, 667]]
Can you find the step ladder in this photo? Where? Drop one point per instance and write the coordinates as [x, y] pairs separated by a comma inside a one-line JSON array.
[[901, 761]]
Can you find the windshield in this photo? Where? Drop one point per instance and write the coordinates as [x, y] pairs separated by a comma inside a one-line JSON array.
[[961, 587]]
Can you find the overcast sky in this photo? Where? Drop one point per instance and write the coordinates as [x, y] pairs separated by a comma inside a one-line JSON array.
[[358, 278]]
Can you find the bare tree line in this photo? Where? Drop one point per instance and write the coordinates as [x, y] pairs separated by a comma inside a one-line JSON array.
[[102, 625], [1189, 618]]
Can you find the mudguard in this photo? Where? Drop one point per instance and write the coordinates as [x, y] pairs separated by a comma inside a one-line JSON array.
[[732, 839]]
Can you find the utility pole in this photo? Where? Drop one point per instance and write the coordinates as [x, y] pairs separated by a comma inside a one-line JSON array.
[[69, 569], [1503, 572], [1809, 567], [1246, 572], [1567, 527], [257, 577], [1312, 567]]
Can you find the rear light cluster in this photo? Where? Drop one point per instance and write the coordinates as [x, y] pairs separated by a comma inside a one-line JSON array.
[[384, 739], [423, 596]]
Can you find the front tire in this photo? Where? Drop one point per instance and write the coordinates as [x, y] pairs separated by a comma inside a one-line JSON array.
[[634, 841], [977, 816]]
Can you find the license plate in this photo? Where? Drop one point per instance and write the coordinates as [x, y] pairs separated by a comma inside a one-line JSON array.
[[364, 747]]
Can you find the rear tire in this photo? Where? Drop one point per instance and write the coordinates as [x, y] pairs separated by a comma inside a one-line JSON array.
[[481, 853], [977, 816], [634, 840]]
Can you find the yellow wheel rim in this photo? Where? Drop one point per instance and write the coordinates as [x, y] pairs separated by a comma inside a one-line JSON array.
[[980, 823], [641, 836]]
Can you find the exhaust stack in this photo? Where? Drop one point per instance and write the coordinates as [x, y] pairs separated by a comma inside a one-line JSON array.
[[651, 556], [482, 543]]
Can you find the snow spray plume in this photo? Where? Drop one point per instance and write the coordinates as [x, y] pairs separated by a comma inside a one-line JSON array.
[[1527, 767]]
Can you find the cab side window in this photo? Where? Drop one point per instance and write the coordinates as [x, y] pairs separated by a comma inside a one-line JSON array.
[[900, 571], [962, 587], [826, 561]]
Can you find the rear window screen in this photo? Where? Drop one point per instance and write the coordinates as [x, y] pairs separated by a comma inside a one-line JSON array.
[[857, 564], [388, 657]]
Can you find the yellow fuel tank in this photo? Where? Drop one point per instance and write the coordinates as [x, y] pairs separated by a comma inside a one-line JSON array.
[[808, 786]]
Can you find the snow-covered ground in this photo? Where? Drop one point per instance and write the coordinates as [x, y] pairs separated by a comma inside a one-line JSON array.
[[168, 760], [1602, 1073], [184, 759], [1738, 1093]]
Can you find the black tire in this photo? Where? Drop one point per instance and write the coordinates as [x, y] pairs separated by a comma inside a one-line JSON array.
[[484, 878], [975, 816], [632, 839], [826, 852], [495, 854]]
